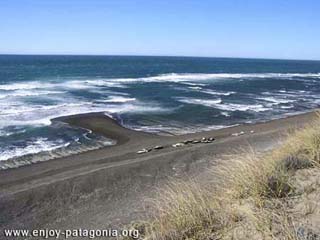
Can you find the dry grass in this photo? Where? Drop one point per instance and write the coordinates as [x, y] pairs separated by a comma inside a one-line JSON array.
[[187, 210], [248, 202]]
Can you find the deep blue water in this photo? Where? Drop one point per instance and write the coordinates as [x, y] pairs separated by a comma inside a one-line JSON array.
[[158, 94]]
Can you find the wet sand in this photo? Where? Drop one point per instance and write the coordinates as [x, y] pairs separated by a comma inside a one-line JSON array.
[[105, 187]]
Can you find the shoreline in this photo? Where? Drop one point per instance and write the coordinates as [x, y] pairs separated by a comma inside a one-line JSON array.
[[119, 136], [71, 120], [117, 174], [129, 141]]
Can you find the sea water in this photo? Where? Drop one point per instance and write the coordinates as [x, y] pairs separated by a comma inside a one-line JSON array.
[[164, 95]]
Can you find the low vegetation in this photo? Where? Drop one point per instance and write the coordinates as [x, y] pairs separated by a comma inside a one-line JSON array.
[[253, 196]]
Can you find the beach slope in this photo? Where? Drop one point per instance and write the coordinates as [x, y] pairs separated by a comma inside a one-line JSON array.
[[105, 187]]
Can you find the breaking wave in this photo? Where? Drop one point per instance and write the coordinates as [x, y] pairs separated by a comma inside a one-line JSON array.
[[43, 149], [218, 104], [31, 104], [185, 78]]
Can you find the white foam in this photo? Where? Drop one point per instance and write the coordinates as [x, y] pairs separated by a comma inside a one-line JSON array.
[[39, 145], [195, 88], [184, 78], [203, 102], [192, 79], [18, 113], [193, 84], [54, 85], [117, 99], [275, 100], [104, 83], [24, 86], [224, 106], [135, 108], [16, 109], [8, 133], [207, 76], [242, 107], [43, 149], [212, 92], [283, 97], [226, 114], [187, 77], [25, 93], [287, 107]]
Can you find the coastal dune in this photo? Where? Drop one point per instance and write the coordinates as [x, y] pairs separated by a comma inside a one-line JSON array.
[[105, 187]]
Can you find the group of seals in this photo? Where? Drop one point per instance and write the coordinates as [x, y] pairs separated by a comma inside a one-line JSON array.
[[189, 141], [179, 144], [240, 133]]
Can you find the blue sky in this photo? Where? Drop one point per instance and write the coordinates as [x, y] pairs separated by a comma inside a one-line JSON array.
[[222, 28]]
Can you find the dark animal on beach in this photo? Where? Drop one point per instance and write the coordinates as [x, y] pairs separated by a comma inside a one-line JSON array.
[[158, 147]]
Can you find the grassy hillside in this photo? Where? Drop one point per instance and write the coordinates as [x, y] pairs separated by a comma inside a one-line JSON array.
[[272, 195]]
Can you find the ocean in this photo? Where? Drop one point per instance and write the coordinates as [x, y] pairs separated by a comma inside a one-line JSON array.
[[163, 95]]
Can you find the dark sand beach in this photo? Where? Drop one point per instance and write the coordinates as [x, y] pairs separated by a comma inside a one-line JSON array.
[[107, 187]]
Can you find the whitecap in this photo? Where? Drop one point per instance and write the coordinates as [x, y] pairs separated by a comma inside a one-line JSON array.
[[226, 114], [117, 99], [275, 100], [242, 107], [207, 76], [136, 108], [195, 88], [24, 86], [20, 114], [193, 84], [24, 93], [98, 83], [212, 92], [184, 78], [224, 106], [203, 102], [287, 107]]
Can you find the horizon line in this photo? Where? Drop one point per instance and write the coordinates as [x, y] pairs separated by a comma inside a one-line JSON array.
[[147, 55]]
